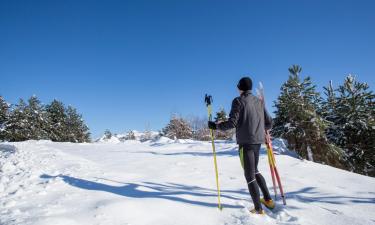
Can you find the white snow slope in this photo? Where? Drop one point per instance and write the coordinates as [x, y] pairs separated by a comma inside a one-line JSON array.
[[167, 183]]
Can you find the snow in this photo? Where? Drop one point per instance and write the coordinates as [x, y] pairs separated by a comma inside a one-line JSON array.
[[309, 153], [139, 136], [167, 182]]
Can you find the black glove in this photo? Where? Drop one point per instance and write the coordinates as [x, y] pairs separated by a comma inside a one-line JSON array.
[[212, 125]]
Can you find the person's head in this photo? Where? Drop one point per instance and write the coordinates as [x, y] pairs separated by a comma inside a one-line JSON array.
[[244, 84]]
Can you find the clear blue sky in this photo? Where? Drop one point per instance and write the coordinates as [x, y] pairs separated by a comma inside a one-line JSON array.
[[125, 64]]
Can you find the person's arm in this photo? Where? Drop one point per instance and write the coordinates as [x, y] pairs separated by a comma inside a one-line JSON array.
[[267, 120], [234, 116]]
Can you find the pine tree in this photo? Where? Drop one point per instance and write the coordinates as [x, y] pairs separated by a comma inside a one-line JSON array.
[[56, 116], [34, 121], [178, 128], [37, 123], [221, 115], [354, 125], [328, 111], [297, 120], [4, 117], [17, 128], [76, 129]]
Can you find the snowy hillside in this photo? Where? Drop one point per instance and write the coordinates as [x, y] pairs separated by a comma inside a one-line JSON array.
[[167, 182]]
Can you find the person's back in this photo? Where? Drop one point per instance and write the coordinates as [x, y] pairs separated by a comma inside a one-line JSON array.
[[250, 119], [253, 120]]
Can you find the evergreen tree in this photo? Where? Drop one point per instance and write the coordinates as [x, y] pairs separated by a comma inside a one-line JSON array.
[[37, 123], [76, 129], [4, 117], [221, 115], [17, 128], [178, 128], [352, 114], [328, 111], [56, 116], [296, 120], [34, 121]]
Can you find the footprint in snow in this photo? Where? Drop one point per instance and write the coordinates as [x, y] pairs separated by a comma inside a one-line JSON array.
[[333, 211], [280, 214]]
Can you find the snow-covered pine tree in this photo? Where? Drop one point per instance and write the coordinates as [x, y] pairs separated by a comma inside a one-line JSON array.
[[354, 125], [178, 128], [4, 117], [17, 128], [56, 116], [328, 111], [289, 106], [36, 117], [296, 120], [76, 129]]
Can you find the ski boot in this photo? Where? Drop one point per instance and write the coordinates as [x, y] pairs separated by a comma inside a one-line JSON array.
[[258, 212], [270, 204]]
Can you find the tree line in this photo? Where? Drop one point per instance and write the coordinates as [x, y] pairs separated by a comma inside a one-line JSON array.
[[32, 120], [335, 128]]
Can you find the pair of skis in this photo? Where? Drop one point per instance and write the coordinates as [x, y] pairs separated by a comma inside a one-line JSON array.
[[271, 157], [274, 172]]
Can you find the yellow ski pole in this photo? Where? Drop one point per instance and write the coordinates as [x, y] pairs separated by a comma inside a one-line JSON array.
[[208, 101]]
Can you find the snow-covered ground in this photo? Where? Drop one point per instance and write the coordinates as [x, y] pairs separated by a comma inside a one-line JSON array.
[[167, 182]]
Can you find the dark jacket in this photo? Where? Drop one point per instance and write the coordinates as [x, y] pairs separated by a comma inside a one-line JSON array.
[[250, 118]]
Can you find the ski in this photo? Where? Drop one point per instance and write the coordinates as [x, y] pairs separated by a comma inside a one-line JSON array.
[[270, 155]]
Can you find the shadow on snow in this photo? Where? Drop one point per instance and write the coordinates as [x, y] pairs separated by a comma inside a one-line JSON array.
[[169, 191], [226, 152], [310, 194], [174, 192], [230, 152]]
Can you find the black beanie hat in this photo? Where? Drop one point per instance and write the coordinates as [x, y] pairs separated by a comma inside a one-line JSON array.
[[245, 84]]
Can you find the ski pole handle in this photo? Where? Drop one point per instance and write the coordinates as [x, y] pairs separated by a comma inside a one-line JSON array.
[[208, 99]]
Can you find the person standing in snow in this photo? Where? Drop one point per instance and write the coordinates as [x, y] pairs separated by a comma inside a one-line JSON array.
[[250, 118]]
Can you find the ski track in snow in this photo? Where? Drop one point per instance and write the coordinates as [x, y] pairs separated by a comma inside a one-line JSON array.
[[167, 182]]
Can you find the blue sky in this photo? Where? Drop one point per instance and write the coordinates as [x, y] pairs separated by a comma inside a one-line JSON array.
[[126, 64]]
